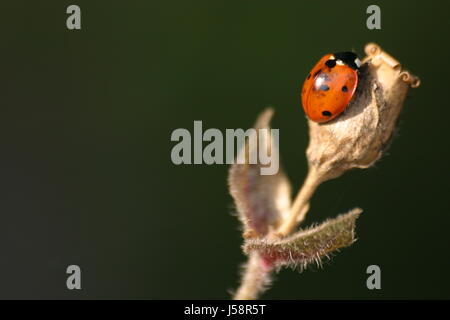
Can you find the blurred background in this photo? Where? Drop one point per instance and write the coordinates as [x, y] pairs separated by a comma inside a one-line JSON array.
[[85, 171]]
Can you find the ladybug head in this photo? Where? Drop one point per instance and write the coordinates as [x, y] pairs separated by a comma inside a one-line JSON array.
[[348, 58]]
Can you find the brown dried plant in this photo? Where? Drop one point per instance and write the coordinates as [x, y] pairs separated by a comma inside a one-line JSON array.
[[355, 139]]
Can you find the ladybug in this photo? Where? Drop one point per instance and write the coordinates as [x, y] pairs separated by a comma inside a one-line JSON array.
[[330, 86]]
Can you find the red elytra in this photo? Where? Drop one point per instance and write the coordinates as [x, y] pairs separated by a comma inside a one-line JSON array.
[[330, 86]]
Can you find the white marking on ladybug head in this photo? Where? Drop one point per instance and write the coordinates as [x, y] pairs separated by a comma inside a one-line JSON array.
[[358, 62], [339, 62]]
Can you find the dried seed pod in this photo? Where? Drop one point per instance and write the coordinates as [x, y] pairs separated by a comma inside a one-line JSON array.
[[358, 137]]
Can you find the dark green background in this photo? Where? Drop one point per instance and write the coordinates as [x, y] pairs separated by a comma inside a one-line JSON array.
[[86, 118]]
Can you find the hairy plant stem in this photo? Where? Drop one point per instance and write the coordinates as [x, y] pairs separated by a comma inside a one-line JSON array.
[[301, 203], [256, 274], [255, 278]]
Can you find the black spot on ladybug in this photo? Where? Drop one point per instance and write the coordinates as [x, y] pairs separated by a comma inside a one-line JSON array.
[[309, 76], [324, 87], [326, 113], [330, 63], [344, 89]]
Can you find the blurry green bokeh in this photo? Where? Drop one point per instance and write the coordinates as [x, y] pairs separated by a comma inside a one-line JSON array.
[[86, 120]]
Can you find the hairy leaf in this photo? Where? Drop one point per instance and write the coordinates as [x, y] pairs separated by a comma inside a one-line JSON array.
[[261, 200], [310, 245]]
